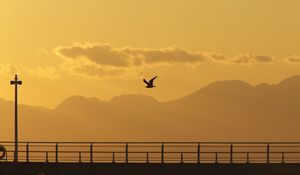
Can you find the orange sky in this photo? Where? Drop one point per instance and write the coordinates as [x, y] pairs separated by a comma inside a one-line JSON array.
[[104, 48]]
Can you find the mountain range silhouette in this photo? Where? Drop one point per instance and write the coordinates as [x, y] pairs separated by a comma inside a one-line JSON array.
[[222, 111]]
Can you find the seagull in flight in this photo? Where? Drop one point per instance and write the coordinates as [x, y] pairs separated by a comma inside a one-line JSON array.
[[150, 83]]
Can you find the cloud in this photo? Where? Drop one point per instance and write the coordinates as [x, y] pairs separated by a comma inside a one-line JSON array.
[[247, 58], [106, 55], [263, 58], [9, 70], [102, 54], [251, 58], [42, 51], [102, 60], [293, 59], [98, 71], [170, 55], [105, 61], [218, 57], [89, 69], [49, 72]]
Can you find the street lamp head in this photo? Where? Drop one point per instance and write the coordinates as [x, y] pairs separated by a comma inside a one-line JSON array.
[[16, 81]]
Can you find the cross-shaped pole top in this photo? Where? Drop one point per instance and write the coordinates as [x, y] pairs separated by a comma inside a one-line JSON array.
[[16, 81]]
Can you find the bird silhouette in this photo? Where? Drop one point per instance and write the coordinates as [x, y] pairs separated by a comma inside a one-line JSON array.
[[149, 83]]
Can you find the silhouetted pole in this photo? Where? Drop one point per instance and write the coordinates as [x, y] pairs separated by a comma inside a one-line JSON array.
[[231, 152], [16, 82]]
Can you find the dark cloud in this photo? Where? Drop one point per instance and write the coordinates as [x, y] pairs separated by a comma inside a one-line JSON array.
[[102, 54], [171, 55], [100, 60], [103, 60], [293, 59], [106, 55], [218, 57], [251, 58], [263, 58], [242, 58]]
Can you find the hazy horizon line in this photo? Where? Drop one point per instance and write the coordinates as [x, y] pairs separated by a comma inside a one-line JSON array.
[[159, 101]]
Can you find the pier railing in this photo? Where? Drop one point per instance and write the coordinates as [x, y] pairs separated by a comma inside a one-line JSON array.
[[155, 152]]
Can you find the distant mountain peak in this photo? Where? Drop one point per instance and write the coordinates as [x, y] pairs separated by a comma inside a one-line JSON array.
[[263, 85], [75, 98], [227, 86], [77, 101], [292, 81]]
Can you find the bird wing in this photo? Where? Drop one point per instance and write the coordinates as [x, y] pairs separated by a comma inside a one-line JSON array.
[[151, 81], [145, 81]]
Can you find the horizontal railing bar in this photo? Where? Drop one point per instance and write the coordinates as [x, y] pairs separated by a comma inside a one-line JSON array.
[[146, 146], [168, 157], [191, 152], [168, 146], [155, 142]]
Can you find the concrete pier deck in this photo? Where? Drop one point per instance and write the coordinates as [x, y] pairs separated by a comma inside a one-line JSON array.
[[10, 168]]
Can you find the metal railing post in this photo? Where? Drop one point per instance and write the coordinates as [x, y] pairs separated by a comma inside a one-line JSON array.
[[79, 157], [231, 152], [47, 157], [27, 152], [147, 158], [162, 152], [91, 153], [248, 161], [181, 158], [113, 158], [282, 157], [126, 153], [198, 153], [56, 153], [268, 153]]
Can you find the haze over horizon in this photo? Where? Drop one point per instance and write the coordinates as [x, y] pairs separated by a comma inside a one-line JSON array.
[[179, 97], [222, 111]]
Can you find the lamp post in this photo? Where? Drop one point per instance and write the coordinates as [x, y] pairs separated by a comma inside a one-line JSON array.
[[16, 82]]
